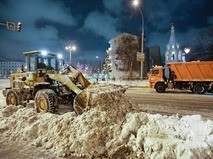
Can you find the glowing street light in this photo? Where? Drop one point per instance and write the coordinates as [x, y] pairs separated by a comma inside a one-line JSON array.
[[136, 4], [187, 50], [70, 48], [60, 56], [44, 53]]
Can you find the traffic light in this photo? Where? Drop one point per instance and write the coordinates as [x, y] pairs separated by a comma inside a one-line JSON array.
[[109, 68], [104, 66], [19, 26], [107, 60]]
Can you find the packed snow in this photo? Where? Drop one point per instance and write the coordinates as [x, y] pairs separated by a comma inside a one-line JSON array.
[[110, 130]]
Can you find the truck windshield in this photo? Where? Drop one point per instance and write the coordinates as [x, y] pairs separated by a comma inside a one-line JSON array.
[[155, 71]]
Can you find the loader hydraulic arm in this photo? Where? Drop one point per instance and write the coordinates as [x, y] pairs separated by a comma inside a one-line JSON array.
[[66, 80], [77, 76], [69, 75]]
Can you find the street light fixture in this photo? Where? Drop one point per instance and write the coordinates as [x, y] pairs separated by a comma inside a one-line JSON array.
[[136, 4], [187, 50], [44, 52], [60, 56], [97, 57], [70, 48]]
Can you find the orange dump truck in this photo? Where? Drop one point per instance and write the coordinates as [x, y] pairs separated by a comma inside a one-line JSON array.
[[194, 76]]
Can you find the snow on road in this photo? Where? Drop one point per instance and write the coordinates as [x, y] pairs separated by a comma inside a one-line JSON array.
[[110, 130]]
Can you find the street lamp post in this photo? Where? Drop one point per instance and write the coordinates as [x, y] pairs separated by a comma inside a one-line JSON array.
[[136, 3], [97, 57], [70, 48], [187, 50]]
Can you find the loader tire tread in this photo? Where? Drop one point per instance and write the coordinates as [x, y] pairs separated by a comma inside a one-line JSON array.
[[46, 101], [13, 97]]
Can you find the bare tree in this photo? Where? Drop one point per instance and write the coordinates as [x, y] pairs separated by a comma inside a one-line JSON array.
[[203, 46], [125, 50]]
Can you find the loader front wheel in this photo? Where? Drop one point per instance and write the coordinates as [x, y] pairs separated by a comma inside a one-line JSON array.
[[13, 97], [46, 101], [160, 88]]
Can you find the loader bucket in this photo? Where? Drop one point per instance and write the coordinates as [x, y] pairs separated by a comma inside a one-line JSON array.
[[96, 95]]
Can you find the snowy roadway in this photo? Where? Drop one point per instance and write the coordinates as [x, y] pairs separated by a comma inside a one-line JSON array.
[[172, 102], [169, 103], [27, 134]]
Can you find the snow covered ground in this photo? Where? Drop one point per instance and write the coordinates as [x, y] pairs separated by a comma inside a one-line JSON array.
[[109, 130], [135, 83]]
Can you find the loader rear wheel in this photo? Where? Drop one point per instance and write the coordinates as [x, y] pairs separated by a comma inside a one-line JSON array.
[[13, 97], [160, 88], [46, 101], [199, 88]]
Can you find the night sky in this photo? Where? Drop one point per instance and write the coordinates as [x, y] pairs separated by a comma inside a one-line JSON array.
[[90, 24]]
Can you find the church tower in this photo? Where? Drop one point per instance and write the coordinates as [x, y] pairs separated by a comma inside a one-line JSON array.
[[173, 52]]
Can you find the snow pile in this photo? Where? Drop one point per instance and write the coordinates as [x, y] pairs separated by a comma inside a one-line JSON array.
[[157, 136], [110, 130], [134, 83]]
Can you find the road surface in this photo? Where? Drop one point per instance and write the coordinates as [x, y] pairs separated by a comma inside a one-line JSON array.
[[144, 99], [169, 103], [172, 102]]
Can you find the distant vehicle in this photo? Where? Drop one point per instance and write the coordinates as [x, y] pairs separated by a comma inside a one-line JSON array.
[[4, 77], [194, 76]]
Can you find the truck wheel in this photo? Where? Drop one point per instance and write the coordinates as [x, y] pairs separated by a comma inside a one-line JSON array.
[[46, 101], [199, 88], [13, 97], [160, 88]]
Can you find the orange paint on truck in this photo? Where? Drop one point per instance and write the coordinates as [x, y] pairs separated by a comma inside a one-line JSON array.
[[195, 76]]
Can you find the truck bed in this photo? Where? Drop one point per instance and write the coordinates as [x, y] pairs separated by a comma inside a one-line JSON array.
[[192, 71]]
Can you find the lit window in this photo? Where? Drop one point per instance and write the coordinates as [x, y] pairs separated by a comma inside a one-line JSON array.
[[167, 56], [179, 55], [173, 55]]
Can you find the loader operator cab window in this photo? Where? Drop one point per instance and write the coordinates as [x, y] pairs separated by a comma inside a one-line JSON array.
[[42, 63], [47, 63], [32, 63]]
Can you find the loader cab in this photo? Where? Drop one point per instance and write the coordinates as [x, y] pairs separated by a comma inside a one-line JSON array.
[[41, 60]]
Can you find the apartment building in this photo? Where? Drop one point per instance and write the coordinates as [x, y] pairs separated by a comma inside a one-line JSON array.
[[8, 67]]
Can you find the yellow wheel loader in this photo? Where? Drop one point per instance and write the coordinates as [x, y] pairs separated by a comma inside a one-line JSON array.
[[48, 87]]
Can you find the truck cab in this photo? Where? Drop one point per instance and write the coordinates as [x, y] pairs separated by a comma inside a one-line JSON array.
[[195, 76], [156, 79]]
